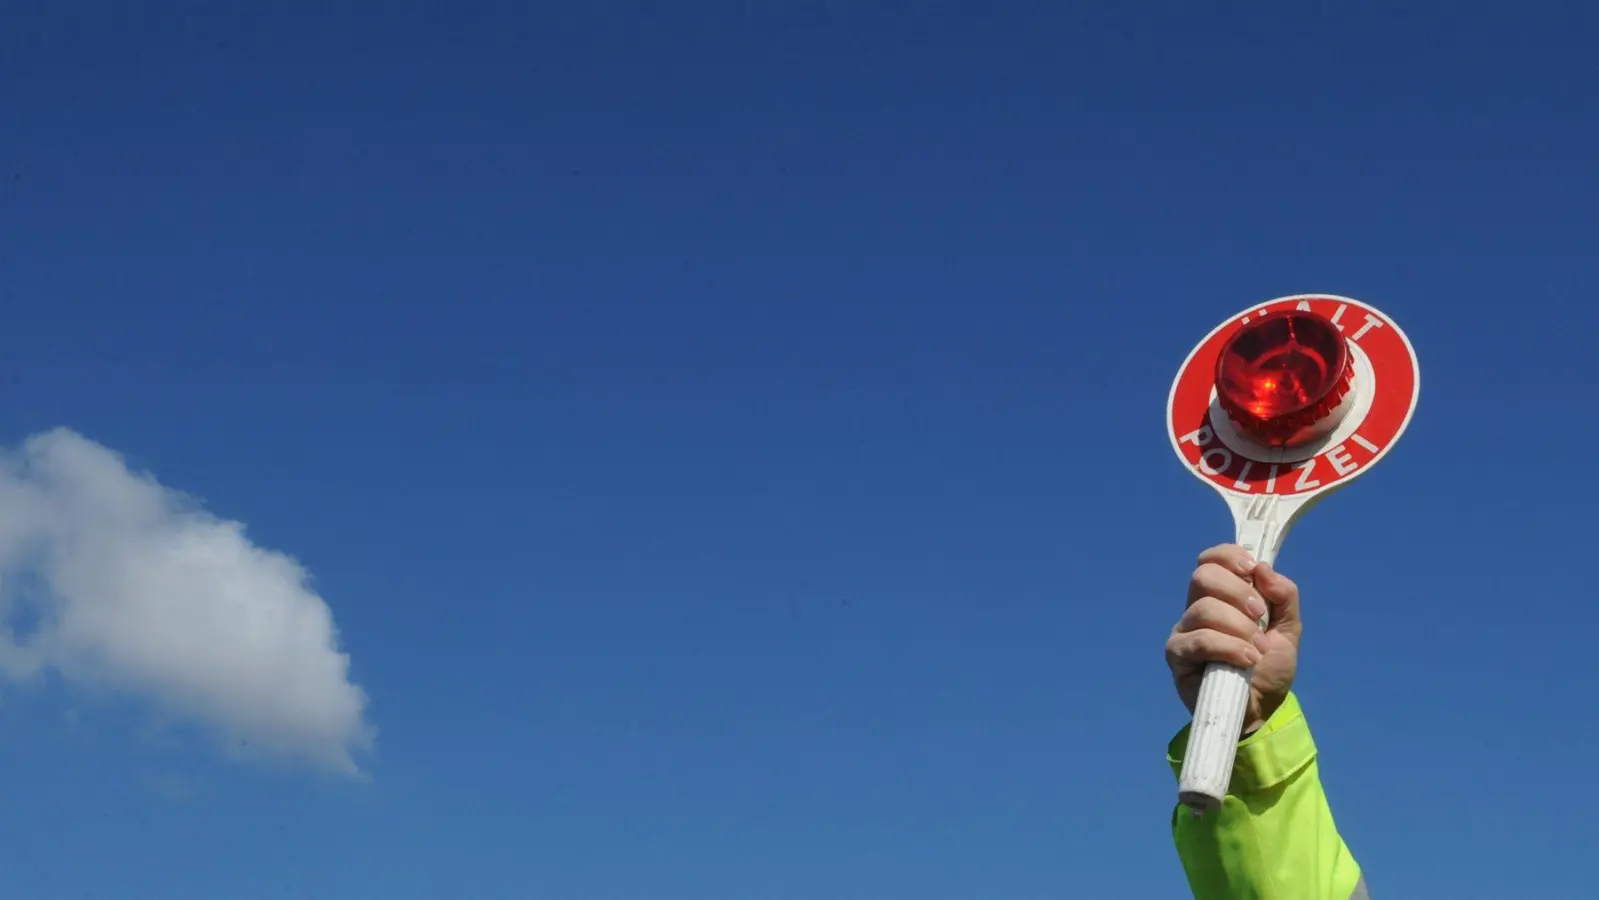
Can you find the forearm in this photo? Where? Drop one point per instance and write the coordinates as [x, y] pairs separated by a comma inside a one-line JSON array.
[[1274, 836]]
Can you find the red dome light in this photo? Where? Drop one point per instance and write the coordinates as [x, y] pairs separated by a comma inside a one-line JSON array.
[[1282, 374]]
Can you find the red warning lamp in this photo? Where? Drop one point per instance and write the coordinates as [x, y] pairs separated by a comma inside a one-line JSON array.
[[1281, 377]]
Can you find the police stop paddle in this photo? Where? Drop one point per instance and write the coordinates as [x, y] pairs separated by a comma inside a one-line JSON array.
[[1276, 408]]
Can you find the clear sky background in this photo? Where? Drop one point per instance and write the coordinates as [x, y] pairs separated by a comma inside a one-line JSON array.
[[727, 438]]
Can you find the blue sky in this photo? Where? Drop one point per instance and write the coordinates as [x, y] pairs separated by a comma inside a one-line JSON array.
[[729, 441]]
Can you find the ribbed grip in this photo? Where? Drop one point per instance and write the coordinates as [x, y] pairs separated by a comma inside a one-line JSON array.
[[1213, 738]]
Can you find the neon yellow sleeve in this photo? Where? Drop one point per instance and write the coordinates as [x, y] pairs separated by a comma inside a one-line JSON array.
[[1274, 836]]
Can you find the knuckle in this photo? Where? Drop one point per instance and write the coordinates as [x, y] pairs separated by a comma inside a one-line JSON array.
[[1194, 617], [1206, 574], [1210, 647], [1179, 645]]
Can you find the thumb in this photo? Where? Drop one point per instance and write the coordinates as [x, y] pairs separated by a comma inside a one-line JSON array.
[[1281, 595]]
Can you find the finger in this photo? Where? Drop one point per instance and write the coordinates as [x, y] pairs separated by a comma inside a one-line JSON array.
[[1281, 594], [1231, 557], [1215, 580], [1212, 614], [1190, 651]]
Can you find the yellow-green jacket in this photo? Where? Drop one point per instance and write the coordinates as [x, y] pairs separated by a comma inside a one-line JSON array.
[[1274, 837]]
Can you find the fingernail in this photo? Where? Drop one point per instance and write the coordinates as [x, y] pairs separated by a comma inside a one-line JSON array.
[[1257, 606], [1248, 562], [1259, 640], [1254, 657]]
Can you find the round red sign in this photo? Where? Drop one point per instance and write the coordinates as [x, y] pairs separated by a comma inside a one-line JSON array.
[[1387, 383]]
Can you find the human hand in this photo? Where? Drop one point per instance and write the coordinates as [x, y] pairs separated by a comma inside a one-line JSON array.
[[1227, 595]]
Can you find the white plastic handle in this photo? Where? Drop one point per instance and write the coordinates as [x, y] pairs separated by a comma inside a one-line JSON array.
[[1213, 739], [1224, 690]]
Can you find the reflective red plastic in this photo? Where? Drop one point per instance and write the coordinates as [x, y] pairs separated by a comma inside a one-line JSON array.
[[1282, 373]]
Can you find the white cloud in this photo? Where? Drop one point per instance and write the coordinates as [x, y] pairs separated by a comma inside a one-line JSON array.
[[112, 580]]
